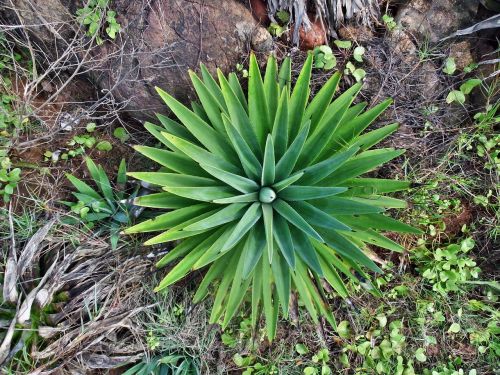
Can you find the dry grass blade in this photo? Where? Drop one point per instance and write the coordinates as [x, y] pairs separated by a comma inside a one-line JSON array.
[[5, 347], [24, 312], [31, 248], [10, 293]]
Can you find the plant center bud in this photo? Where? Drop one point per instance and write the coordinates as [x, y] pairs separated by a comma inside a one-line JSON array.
[[267, 195]]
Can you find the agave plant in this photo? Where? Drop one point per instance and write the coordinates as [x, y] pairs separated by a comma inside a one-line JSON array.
[[104, 204], [265, 190]]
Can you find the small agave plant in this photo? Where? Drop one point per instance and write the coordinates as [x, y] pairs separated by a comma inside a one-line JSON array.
[[265, 191], [104, 205]]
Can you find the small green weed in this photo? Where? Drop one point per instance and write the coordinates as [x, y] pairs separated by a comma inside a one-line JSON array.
[[121, 134], [9, 177], [357, 73], [446, 268], [276, 29], [252, 367], [324, 58], [79, 144], [12, 120], [459, 96], [321, 364], [389, 22], [95, 15], [381, 349]]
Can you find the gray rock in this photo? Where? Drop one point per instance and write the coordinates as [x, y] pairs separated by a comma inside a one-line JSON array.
[[159, 42], [162, 41], [435, 19]]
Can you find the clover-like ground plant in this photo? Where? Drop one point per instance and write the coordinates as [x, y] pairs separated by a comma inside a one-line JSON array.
[[264, 190]]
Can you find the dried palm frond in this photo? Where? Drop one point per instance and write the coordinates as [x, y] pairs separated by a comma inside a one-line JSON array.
[[332, 12]]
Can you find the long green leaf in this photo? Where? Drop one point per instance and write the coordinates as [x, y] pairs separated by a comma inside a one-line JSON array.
[[267, 296], [317, 172], [215, 271], [370, 139], [209, 103], [172, 160], [317, 108], [331, 258], [94, 172], [364, 162], [317, 217], [304, 294], [344, 206], [381, 222], [287, 162], [221, 296], [285, 74], [238, 290], [238, 117], [352, 112], [214, 88], [375, 238], [232, 79], [280, 125], [269, 167], [267, 213], [238, 182], [199, 128], [105, 186], [205, 194], [318, 297], [302, 193], [82, 187], [121, 176], [183, 267], [283, 238], [292, 216], [381, 201], [200, 112], [200, 155], [169, 219], [370, 186], [213, 252], [305, 250], [331, 275], [180, 250], [248, 160], [257, 105], [256, 293], [281, 274], [353, 128], [163, 200], [299, 97], [271, 87], [244, 225], [225, 215], [177, 232], [251, 197], [283, 184], [173, 127], [156, 131], [327, 127], [172, 179], [347, 249], [253, 249]]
